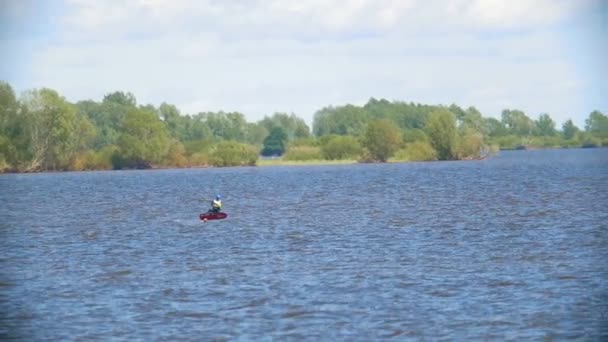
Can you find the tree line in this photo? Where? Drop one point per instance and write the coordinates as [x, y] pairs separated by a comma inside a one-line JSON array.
[[41, 131]]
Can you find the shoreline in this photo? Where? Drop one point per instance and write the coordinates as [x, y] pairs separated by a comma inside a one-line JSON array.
[[279, 162]]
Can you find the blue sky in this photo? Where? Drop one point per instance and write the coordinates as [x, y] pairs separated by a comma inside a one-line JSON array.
[[260, 57]]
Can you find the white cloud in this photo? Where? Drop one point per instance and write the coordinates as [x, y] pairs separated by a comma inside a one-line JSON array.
[[264, 56]]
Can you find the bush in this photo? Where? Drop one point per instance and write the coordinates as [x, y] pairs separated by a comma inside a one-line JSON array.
[[546, 142], [301, 153], [417, 151], [82, 161], [199, 159], [311, 141], [198, 146], [176, 155], [508, 142], [413, 135], [341, 147], [381, 140], [231, 153], [470, 145]]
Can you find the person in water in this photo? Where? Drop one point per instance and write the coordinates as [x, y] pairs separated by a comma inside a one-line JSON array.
[[216, 204]]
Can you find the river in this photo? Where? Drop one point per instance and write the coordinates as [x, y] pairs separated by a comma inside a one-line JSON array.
[[514, 247]]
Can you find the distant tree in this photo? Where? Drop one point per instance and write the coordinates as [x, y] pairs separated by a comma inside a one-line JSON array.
[[473, 120], [293, 126], [226, 126], [172, 120], [52, 126], [341, 147], [256, 133], [414, 135], [441, 129], [597, 124], [232, 153], [544, 126], [517, 122], [458, 113], [344, 120], [275, 142], [143, 141], [495, 128], [569, 130], [10, 127], [120, 98], [382, 139]]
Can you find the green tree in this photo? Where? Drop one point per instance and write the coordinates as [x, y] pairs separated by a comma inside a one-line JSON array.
[[52, 127], [293, 126], [441, 129], [232, 153], [341, 147], [274, 144], [569, 130], [473, 120], [544, 126], [10, 130], [597, 124], [517, 122], [143, 141], [256, 133], [345, 120], [495, 128], [382, 139], [226, 126]]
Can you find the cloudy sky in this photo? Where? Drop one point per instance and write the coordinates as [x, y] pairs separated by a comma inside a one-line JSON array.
[[260, 57]]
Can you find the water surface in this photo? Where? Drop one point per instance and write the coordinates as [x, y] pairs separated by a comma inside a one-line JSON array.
[[514, 247]]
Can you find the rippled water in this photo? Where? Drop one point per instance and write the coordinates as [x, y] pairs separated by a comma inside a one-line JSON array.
[[514, 247]]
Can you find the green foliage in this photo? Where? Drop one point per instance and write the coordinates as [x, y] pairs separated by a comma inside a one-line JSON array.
[[176, 155], [274, 144], [544, 126], [405, 115], [120, 98], [470, 145], [42, 131], [345, 120], [508, 142], [199, 159], [341, 147], [597, 125], [302, 153], [441, 129], [256, 133], [416, 151], [11, 128], [310, 141], [569, 130], [382, 139], [232, 153], [226, 126], [198, 146], [52, 129], [413, 135], [473, 121], [293, 126], [143, 141], [517, 122], [545, 142], [590, 141], [495, 128]]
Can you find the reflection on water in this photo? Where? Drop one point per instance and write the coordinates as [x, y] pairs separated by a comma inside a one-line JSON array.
[[513, 247]]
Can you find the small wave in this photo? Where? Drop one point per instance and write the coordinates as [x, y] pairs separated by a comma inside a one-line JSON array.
[[190, 314]]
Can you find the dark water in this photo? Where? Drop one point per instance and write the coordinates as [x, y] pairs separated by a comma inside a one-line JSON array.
[[511, 248]]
